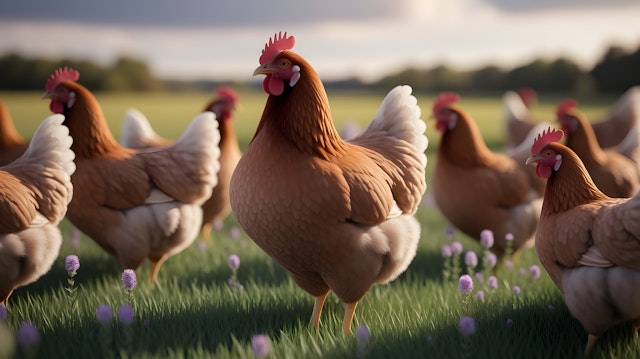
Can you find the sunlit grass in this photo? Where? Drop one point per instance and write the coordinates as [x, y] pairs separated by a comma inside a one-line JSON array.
[[195, 313]]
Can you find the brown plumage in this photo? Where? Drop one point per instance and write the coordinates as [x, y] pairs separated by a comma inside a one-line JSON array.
[[611, 131], [336, 215], [138, 133], [614, 174], [588, 242], [12, 145], [134, 204], [36, 189], [477, 189]]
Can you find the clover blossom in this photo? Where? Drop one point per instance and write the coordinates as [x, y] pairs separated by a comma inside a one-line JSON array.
[[486, 239], [465, 284], [28, 334], [467, 325], [260, 345]]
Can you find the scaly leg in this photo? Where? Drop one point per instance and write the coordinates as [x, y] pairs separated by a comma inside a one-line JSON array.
[[317, 309], [349, 312], [590, 342], [206, 230], [155, 268]]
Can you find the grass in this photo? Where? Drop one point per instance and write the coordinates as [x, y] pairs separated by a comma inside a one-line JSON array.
[[195, 313]]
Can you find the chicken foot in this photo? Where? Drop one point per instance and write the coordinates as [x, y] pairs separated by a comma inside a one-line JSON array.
[[317, 309], [350, 311]]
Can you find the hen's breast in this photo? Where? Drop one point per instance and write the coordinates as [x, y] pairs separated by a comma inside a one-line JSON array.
[[284, 198]]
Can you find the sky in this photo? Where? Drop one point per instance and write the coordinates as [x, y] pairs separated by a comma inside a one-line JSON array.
[[368, 39]]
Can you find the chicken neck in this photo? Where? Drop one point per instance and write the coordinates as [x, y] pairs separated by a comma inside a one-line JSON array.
[[302, 116], [570, 186], [463, 145], [584, 143], [88, 126]]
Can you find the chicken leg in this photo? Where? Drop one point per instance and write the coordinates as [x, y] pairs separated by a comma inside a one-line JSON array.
[[348, 317], [317, 309], [590, 343], [155, 268]]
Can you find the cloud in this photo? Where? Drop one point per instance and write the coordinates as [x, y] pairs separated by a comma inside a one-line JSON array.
[[201, 13], [546, 5]]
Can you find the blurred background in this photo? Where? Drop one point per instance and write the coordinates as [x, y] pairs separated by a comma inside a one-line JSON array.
[[576, 46]]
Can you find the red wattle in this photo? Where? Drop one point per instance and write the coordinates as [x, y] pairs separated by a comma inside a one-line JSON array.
[[543, 171]]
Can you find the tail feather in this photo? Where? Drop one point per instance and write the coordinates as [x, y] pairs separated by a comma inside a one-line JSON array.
[[399, 116], [50, 146], [514, 107], [138, 133]]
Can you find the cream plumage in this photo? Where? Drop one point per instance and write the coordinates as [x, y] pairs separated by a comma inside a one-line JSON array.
[[36, 191]]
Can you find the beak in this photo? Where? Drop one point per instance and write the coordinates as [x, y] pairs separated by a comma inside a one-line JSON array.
[[263, 70], [533, 159]]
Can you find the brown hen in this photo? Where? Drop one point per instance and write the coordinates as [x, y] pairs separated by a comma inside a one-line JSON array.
[[138, 133], [337, 215], [588, 242], [614, 174], [135, 204], [12, 145], [36, 189]]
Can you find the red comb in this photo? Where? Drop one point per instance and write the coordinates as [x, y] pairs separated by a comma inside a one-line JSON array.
[[547, 136], [226, 93], [61, 75], [565, 106], [444, 99], [279, 42]]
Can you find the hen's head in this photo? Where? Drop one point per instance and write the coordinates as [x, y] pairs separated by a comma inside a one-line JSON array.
[[446, 117], [566, 114], [278, 64], [60, 95], [546, 156], [224, 104]]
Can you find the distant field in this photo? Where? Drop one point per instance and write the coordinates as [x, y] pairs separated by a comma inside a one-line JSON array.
[[194, 313], [170, 113]]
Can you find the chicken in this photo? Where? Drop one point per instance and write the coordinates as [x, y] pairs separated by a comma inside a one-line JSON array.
[[517, 118], [588, 242], [477, 189], [135, 204], [337, 215], [12, 145], [611, 131], [36, 189], [613, 173], [138, 133]]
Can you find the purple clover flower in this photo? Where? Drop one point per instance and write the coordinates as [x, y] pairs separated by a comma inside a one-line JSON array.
[[129, 279], [492, 282], [486, 238], [260, 345], [465, 284], [508, 237], [449, 231], [104, 314], [363, 334], [534, 272], [3, 312], [234, 262], [516, 290], [509, 323], [467, 325], [28, 334], [234, 232], [446, 251], [471, 259], [456, 247], [71, 264], [480, 295], [125, 314], [491, 259], [479, 277]]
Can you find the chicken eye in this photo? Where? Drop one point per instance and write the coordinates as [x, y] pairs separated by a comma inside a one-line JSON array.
[[284, 63]]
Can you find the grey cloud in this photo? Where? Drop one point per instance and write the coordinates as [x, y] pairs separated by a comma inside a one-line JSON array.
[[542, 5], [198, 13]]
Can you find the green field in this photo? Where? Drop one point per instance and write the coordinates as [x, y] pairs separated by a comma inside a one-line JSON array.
[[194, 313]]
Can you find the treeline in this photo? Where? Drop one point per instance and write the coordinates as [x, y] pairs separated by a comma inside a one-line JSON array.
[[126, 74], [615, 72]]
